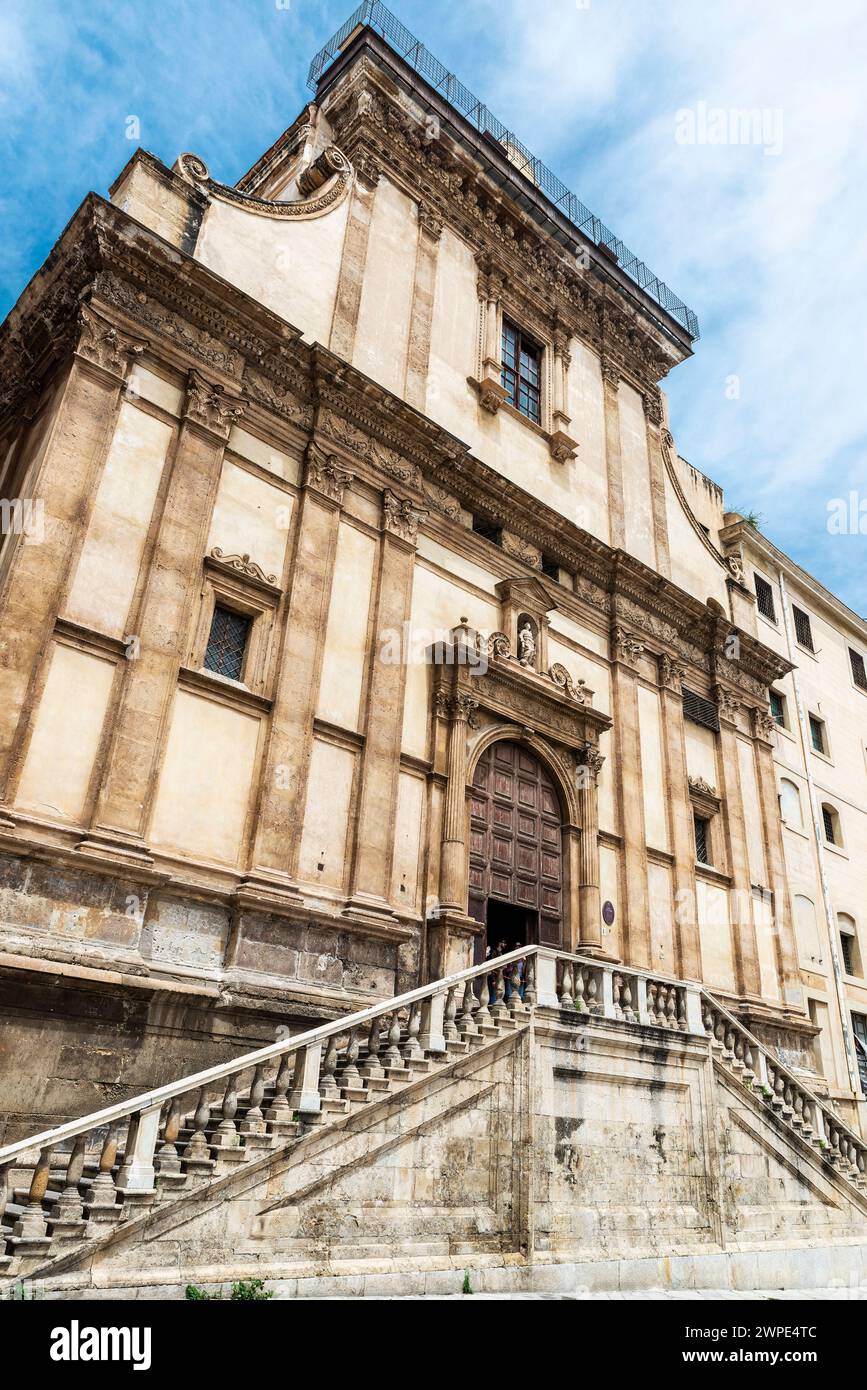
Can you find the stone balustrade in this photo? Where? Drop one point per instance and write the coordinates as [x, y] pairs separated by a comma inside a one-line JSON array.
[[75, 1181]]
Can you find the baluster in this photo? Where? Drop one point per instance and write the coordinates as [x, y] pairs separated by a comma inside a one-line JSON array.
[[450, 1031], [254, 1122], [626, 999], [708, 1019], [738, 1061], [412, 1048], [226, 1136], [566, 998], [197, 1154], [530, 982], [592, 992], [327, 1084], [466, 1024], [372, 1066], [498, 1008], [788, 1098], [616, 982], [729, 1050], [749, 1063], [861, 1164], [167, 1160], [651, 1001], [350, 1077], [483, 1012], [31, 1224], [101, 1196], [516, 1003], [278, 1114], [67, 1213], [779, 1099], [671, 1007], [392, 1052], [681, 1011]]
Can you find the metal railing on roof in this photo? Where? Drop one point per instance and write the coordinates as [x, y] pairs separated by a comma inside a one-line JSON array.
[[413, 52]]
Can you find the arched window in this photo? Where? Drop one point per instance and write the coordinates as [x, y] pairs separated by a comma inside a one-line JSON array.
[[807, 932], [849, 946], [831, 825], [790, 803]]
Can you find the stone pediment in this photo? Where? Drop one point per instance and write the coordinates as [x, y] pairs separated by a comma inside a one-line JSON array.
[[526, 592]]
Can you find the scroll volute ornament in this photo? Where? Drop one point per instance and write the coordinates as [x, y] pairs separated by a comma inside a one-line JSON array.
[[211, 406], [105, 345]]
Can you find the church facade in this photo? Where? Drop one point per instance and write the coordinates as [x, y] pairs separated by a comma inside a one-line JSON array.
[[358, 616]]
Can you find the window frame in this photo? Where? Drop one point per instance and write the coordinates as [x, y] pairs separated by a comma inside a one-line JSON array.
[[759, 579], [856, 657], [247, 620], [808, 646], [705, 821], [833, 815], [783, 721], [522, 339], [250, 598], [816, 719]]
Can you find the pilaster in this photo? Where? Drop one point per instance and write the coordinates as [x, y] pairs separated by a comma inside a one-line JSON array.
[[613, 455], [764, 730], [742, 925], [352, 266], [653, 422], [625, 652], [671, 675], [421, 311]]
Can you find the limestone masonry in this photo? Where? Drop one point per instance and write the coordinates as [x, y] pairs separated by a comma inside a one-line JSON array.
[[358, 617]]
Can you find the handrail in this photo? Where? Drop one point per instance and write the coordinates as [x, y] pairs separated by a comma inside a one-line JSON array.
[[781, 1067], [147, 1100]]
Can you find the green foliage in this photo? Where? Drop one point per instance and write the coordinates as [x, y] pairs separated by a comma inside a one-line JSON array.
[[467, 1286], [243, 1291]]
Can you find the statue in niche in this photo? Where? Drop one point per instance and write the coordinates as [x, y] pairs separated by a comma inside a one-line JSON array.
[[526, 642]]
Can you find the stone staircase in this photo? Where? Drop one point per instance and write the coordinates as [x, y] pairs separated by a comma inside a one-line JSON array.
[[64, 1191]]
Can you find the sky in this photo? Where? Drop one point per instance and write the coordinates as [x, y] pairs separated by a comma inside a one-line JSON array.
[[758, 226]]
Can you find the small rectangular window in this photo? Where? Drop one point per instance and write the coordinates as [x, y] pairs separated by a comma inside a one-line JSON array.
[[828, 824], [765, 598], [817, 734], [846, 944], [227, 643], [522, 372], [778, 707], [700, 710], [488, 530], [803, 630], [859, 674], [702, 840], [550, 568]]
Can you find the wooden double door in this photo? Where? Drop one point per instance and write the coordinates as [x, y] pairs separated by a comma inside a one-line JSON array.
[[516, 847]]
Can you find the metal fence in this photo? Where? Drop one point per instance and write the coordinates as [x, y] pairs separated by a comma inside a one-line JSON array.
[[413, 52]]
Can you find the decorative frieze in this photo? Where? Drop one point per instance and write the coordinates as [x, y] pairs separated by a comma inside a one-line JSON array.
[[366, 447], [522, 550]]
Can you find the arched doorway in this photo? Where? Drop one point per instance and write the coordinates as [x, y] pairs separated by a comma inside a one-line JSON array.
[[516, 880]]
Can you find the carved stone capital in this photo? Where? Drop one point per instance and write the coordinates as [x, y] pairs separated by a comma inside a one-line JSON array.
[[588, 762], [671, 673], [653, 408], [625, 646], [563, 447], [764, 726], [401, 517], [429, 223], [210, 405], [101, 343], [324, 474], [368, 172], [492, 393], [727, 703], [455, 706], [611, 373]]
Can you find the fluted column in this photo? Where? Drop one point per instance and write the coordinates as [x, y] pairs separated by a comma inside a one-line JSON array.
[[613, 457], [458, 708], [590, 762], [626, 650], [742, 926], [680, 821]]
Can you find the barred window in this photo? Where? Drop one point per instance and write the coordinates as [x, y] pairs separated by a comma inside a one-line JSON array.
[[522, 372], [803, 630], [859, 674], [227, 643], [830, 823], [702, 840], [778, 707], [765, 598], [700, 710], [817, 735]]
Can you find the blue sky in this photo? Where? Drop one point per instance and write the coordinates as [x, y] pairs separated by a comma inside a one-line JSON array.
[[767, 244]]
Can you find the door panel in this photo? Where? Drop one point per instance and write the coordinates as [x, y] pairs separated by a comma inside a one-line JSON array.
[[516, 841]]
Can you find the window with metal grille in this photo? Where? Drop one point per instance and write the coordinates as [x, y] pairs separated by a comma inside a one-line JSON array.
[[778, 707], [859, 674], [817, 734], [702, 840], [522, 372], [765, 598], [227, 643], [803, 630], [700, 711], [847, 944], [829, 822]]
